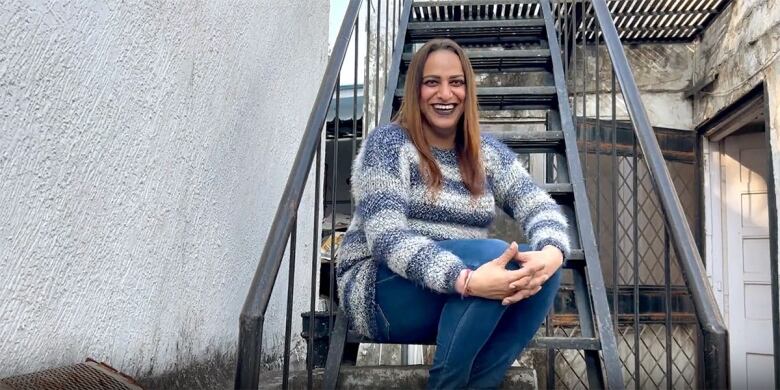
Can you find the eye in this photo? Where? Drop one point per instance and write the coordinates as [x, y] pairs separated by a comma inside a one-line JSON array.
[[458, 83], [430, 83]]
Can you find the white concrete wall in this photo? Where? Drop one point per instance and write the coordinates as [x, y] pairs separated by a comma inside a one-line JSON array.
[[144, 147]]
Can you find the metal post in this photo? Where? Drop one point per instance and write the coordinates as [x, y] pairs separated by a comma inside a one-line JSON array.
[[288, 322]]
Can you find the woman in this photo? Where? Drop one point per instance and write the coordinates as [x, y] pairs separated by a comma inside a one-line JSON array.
[[415, 266]]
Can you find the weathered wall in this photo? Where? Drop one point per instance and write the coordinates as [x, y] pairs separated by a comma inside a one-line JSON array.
[[662, 74], [143, 150]]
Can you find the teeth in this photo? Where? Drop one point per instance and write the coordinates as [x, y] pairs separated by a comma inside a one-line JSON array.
[[444, 106]]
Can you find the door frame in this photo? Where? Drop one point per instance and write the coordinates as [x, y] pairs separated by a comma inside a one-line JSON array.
[[712, 132]]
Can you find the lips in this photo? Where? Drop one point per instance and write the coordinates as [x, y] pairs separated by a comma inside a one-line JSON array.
[[443, 109]]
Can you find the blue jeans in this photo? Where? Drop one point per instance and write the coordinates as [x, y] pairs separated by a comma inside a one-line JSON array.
[[477, 339]]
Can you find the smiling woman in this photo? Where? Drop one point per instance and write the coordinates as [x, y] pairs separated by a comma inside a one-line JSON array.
[[415, 265]]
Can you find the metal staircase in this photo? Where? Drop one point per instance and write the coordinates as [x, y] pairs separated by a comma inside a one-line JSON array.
[[522, 51], [518, 44]]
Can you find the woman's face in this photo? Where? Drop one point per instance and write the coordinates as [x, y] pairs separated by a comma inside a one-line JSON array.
[[442, 93]]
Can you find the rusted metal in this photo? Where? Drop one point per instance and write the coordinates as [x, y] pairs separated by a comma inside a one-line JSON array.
[[83, 376]]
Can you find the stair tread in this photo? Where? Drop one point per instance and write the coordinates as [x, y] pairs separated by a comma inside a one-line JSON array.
[[409, 377], [500, 60], [582, 343], [533, 139], [476, 30]]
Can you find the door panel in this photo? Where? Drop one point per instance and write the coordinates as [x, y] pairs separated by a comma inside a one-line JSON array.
[[746, 246]]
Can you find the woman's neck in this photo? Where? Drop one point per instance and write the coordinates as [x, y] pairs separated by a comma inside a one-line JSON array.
[[439, 141]]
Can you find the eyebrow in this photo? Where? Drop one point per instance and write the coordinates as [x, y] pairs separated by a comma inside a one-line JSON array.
[[438, 77]]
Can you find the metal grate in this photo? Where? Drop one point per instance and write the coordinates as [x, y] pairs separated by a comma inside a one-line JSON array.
[[83, 376], [636, 20]]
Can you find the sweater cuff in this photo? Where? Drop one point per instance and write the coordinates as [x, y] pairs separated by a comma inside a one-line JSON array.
[[562, 246], [452, 274]]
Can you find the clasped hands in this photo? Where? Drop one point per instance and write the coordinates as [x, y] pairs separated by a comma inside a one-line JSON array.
[[493, 281]]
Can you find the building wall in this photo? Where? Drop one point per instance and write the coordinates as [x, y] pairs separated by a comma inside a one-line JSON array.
[[742, 47], [143, 151], [662, 73]]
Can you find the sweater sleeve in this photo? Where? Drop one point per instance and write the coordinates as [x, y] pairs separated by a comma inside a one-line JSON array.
[[518, 195], [381, 187]]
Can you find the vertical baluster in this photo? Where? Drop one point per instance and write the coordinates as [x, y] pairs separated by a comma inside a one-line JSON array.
[[376, 75], [315, 260], [597, 137], [635, 241], [394, 22], [288, 322], [387, 43], [584, 115], [354, 104], [573, 74], [617, 203], [366, 67], [334, 183], [668, 306]]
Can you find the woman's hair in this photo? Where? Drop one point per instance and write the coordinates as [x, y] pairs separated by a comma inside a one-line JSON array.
[[467, 139]]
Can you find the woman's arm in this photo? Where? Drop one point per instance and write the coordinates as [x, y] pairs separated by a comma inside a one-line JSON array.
[[518, 195]]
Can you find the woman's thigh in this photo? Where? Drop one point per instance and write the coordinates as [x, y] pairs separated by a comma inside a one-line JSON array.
[[476, 252], [406, 312]]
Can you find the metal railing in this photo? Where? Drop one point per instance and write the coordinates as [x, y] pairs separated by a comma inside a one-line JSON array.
[[584, 27], [385, 16]]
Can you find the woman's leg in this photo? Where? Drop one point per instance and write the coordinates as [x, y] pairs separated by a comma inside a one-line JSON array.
[[466, 324], [514, 331], [405, 312]]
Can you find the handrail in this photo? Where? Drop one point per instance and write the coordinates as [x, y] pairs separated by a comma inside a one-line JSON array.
[[256, 303], [710, 319]]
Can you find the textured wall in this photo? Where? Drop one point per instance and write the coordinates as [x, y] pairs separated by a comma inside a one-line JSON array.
[[143, 150], [662, 73]]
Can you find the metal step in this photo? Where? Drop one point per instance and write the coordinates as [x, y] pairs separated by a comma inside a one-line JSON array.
[[510, 98], [583, 343], [561, 192], [535, 142], [479, 31], [485, 60]]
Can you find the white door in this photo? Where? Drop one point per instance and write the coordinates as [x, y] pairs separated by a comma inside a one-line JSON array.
[[746, 236]]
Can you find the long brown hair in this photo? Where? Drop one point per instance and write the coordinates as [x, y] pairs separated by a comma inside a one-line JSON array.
[[467, 139]]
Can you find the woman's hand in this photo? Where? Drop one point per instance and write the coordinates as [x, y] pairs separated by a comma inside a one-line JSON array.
[[493, 281], [544, 263]]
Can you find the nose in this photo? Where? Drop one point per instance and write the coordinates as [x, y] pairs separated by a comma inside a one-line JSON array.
[[445, 92]]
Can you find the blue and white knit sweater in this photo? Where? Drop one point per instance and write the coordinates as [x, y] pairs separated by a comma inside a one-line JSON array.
[[397, 222]]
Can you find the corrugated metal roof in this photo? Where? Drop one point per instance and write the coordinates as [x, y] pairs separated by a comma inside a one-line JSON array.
[[636, 20], [346, 104]]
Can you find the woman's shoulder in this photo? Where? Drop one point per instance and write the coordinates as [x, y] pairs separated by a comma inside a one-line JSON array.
[[494, 151], [388, 138], [388, 134]]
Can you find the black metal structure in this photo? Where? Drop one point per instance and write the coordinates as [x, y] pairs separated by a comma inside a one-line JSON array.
[[250, 352], [534, 44]]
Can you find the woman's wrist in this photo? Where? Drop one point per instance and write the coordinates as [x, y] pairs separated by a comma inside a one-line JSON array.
[[553, 253], [460, 282]]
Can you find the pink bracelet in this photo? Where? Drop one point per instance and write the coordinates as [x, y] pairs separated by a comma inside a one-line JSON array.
[[466, 285]]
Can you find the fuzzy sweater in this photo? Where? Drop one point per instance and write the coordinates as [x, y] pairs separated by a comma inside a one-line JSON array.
[[397, 222]]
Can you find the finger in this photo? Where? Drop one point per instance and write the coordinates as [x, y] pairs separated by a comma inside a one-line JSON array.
[[523, 257], [514, 298], [519, 277], [508, 254]]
